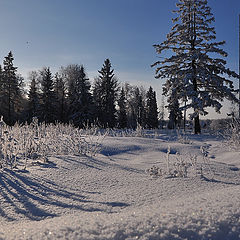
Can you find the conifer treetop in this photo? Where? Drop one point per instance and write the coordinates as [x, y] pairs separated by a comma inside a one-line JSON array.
[[195, 70]]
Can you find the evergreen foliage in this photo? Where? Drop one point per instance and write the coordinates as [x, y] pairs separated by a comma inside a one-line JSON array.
[[122, 113], [140, 108], [105, 94], [33, 97], [135, 105], [11, 97], [80, 103], [151, 109], [60, 93], [175, 115], [48, 98], [194, 69], [1, 92]]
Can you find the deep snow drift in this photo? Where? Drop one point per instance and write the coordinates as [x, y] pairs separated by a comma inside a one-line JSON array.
[[111, 196]]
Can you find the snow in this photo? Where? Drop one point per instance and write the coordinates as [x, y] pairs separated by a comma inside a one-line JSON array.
[[111, 196]]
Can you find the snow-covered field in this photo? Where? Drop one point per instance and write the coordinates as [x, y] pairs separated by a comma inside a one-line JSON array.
[[111, 196]]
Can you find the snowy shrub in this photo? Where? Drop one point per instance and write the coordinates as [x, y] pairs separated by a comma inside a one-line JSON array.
[[183, 138], [18, 144], [206, 160], [232, 134], [218, 124], [138, 132], [178, 167], [182, 165], [155, 171]]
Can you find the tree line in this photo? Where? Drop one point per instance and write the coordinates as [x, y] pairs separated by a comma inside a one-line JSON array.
[[69, 97]]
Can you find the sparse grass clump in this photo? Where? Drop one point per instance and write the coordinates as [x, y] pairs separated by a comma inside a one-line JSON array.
[[38, 141], [182, 166]]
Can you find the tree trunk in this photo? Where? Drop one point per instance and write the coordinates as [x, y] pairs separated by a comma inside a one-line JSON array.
[[197, 126]]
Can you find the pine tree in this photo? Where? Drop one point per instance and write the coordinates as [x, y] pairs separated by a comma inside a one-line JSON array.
[[33, 97], [140, 108], [105, 95], [80, 103], [1, 92], [129, 91], [175, 115], [60, 93], [10, 93], [151, 109], [135, 105], [122, 113], [48, 98], [193, 67]]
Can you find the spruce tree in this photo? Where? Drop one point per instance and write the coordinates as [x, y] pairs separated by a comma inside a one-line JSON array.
[[194, 69], [140, 108], [135, 105], [48, 98], [175, 113], [105, 95], [11, 92], [80, 103], [60, 93], [151, 109], [1, 92], [122, 113], [33, 97]]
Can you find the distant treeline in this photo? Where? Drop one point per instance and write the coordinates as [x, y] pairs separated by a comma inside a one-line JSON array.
[[69, 97]]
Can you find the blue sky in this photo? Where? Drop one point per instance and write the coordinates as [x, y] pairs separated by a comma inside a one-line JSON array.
[[56, 33]]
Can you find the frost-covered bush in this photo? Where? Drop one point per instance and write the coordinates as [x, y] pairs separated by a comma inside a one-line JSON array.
[[182, 165], [138, 132], [155, 171], [176, 167], [18, 144], [219, 124], [183, 138], [232, 133]]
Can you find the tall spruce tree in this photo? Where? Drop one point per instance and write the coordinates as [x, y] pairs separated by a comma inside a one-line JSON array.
[[10, 93], [60, 93], [151, 109], [122, 112], [175, 114], [1, 92], [80, 98], [140, 108], [105, 93], [33, 97], [130, 105], [48, 98], [135, 105], [194, 68]]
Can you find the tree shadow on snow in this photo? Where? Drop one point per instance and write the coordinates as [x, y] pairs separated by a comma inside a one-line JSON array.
[[214, 180], [111, 151], [25, 196]]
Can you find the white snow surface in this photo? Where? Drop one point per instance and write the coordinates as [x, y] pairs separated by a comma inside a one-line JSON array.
[[111, 196]]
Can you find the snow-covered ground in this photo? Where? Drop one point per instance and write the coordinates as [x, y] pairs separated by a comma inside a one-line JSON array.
[[111, 196]]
